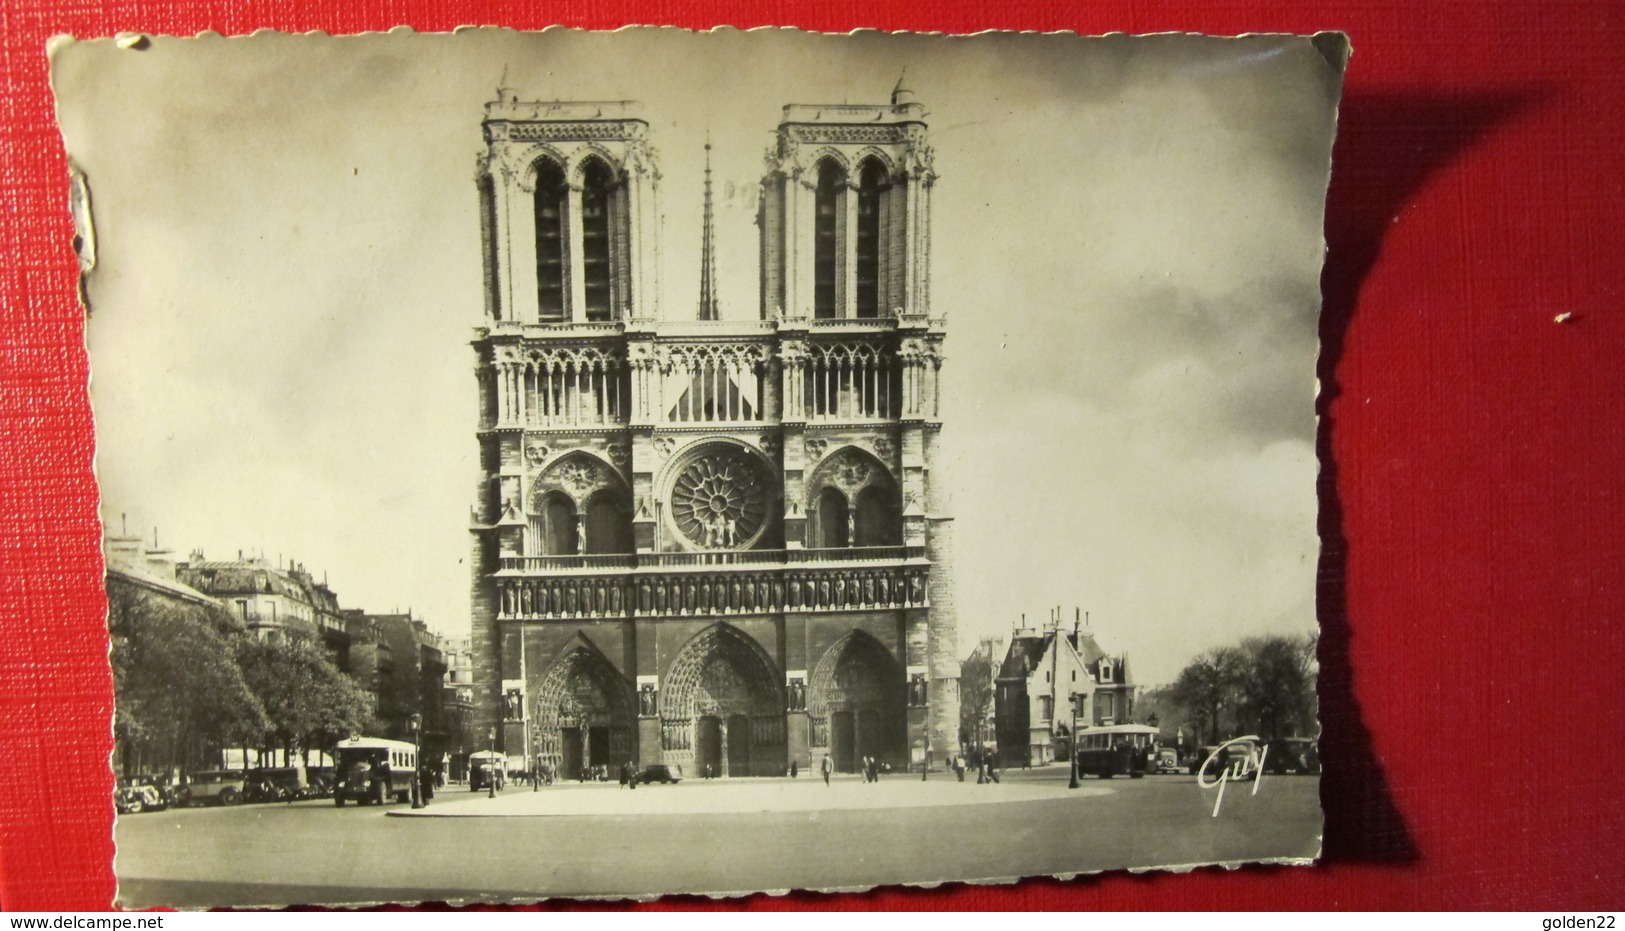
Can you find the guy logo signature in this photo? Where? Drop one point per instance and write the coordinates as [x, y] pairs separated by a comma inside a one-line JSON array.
[[1234, 767]]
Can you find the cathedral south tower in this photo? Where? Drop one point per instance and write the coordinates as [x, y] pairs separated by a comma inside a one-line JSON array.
[[704, 537]]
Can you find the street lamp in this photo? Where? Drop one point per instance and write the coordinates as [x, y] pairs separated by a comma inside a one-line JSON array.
[[1072, 744], [415, 725], [491, 772]]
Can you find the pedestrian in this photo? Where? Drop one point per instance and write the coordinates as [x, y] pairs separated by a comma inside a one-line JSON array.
[[793, 770], [959, 766], [827, 766], [625, 773]]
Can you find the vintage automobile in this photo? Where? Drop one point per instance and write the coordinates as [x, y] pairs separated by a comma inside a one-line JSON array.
[[1294, 755], [136, 794], [666, 773], [1167, 761], [216, 786], [275, 784], [1238, 760]]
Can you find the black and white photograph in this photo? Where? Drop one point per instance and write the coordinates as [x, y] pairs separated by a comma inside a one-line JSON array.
[[623, 464]]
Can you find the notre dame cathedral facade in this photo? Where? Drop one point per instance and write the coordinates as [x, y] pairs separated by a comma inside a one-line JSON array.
[[716, 543]]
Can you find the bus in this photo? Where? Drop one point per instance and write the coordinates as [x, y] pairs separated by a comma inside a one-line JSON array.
[[373, 770], [486, 767], [1115, 750]]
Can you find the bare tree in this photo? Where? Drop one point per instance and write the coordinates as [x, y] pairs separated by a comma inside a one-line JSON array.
[[1277, 691]]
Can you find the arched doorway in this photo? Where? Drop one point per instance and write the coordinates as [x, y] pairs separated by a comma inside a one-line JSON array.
[[858, 704], [583, 714], [722, 707]]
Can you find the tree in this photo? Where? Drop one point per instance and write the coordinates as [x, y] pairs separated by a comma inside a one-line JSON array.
[[1207, 686], [1277, 692], [308, 702], [177, 691], [975, 694]]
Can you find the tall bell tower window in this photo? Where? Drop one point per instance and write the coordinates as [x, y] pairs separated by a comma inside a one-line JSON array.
[[596, 190], [827, 202], [871, 180], [550, 258]]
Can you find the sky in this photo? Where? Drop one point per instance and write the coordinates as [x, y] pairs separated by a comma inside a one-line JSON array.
[[1126, 246]]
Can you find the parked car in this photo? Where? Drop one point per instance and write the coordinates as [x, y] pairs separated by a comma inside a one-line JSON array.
[[216, 786], [1292, 755], [667, 773], [1167, 760], [136, 794]]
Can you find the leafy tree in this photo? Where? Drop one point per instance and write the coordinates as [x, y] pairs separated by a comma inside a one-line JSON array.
[[308, 702], [1208, 685], [177, 691], [1277, 692], [975, 694]]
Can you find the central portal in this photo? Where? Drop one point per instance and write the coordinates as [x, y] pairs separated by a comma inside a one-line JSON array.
[[722, 708]]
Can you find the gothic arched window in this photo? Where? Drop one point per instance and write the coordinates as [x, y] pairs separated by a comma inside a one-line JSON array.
[[609, 525], [871, 185], [877, 520], [553, 530], [826, 220], [597, 191], [551, 197], [831, 519]]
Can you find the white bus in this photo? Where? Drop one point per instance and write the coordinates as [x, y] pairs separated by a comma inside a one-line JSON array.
[[371, 770]]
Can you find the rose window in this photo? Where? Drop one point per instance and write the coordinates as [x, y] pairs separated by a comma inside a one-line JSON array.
[[720, 500]]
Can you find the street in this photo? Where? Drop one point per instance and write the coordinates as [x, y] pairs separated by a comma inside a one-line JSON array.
[[717, 839]]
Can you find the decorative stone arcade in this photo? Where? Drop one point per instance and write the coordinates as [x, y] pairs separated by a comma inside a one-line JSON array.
[[712, 542]]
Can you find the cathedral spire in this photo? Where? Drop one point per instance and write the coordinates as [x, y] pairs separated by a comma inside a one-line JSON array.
[[708, 256]]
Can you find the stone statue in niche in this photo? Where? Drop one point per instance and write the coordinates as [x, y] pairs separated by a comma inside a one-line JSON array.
[[646, 701], [916, 691], [513, 707], [797, 695]]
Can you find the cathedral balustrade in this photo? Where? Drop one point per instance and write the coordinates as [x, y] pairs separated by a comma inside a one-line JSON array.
[[688, 594], [559, 386], [546, 565], [534, 564]]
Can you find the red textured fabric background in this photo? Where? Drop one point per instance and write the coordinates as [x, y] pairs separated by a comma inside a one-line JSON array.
[[1474, 573]]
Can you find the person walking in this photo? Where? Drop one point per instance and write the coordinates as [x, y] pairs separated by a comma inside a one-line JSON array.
[[827, 766], [959, 766], [793, 770]]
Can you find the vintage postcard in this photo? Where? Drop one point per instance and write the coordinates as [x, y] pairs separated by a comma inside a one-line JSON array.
[[620, 464]]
